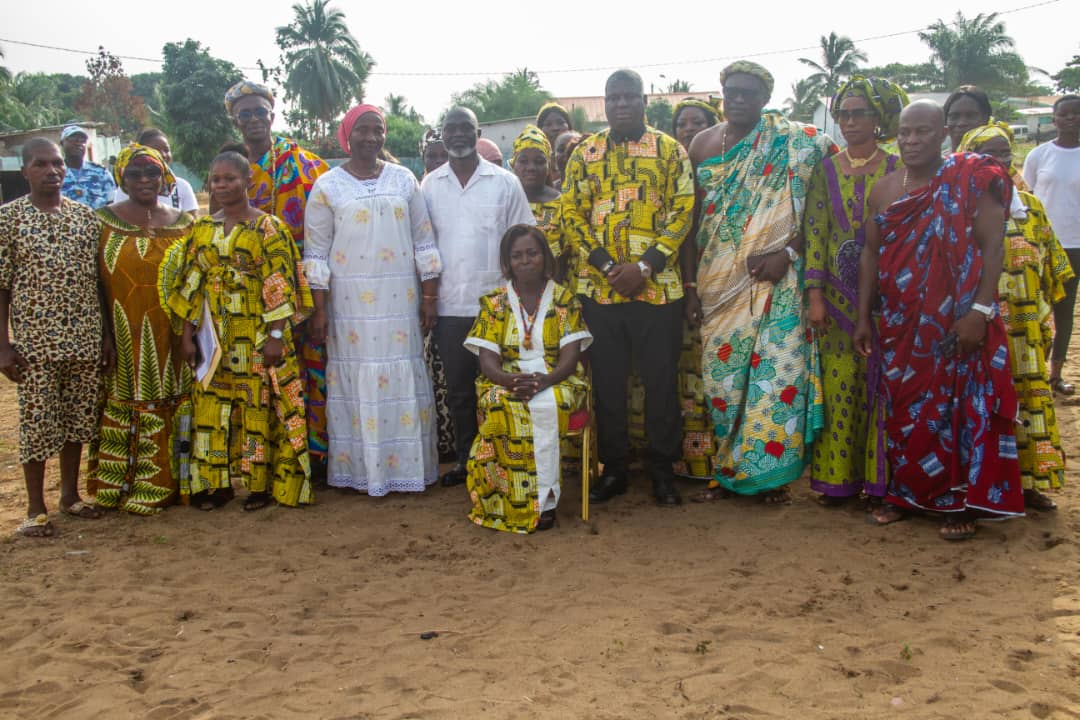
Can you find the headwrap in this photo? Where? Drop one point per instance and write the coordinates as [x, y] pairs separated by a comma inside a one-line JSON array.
[[345, 128], [886, 98], [977, 137], [488, 150], [246, 88], [713, 108], [551, 107], [133, 152], [531, 137], [429, 138], [750, 68]]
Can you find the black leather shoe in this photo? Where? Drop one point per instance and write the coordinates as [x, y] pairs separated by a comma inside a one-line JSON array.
[[607, 487], [454, 477], [663, 483]]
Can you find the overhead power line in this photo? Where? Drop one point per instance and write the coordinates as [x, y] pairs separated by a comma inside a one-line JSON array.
[[551, 71]]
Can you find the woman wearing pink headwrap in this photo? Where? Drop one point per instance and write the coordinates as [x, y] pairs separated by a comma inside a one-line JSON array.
[[373, 266]]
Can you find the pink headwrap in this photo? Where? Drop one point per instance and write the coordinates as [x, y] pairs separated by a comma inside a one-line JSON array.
[[488, 150], [347, 122]]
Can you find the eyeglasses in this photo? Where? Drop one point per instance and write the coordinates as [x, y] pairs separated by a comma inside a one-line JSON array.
[[246, 115], [746, 93], [149, 173], [856, 114]]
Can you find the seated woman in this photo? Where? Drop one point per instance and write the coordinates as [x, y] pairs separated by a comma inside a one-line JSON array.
[[529, 336]]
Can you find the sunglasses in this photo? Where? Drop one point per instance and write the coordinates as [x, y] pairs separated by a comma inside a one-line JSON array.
[[148, 173], [746, 93], [856, 114], [246, 115]]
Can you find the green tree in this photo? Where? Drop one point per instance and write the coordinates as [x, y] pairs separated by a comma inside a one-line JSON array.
[[326, 67], [678, 86], [1068, 78], [804, 100], [107, 96], [36, 99], [921, 77], [399, 106], [5, 74], [516, 95], [839, 60], [193, 86], [658, 114], [403, 135], [976, 51]]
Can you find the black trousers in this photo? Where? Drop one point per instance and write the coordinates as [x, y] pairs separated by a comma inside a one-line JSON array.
[[652, 333], [1063, 311], [461, 368]]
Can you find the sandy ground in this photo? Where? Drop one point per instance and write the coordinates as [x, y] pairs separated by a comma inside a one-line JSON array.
[[733, 610]]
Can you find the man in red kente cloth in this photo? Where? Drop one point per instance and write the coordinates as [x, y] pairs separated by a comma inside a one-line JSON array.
[[932, 260]]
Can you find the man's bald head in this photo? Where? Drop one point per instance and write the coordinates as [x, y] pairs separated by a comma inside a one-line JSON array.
[[921, 134], [924, 111], [459, 113]]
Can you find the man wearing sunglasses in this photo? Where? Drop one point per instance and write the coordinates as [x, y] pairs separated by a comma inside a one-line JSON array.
[[282, 174], [85, 182]]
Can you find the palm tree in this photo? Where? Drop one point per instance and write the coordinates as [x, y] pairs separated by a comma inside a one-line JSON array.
[[679, 86], [839, 60], [326, 67], [5, 74], [805, 96], [975, 51]]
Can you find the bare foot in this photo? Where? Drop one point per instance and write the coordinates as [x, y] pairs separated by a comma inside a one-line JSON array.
[[782, 496]]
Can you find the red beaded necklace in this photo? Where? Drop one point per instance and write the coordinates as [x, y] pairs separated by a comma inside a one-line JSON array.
[[528, 320]]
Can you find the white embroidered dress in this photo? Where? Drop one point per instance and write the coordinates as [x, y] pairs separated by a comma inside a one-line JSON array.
[[370, 242]]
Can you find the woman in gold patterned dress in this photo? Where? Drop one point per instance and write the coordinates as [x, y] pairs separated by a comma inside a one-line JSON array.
[[241, 275], [529, 335], [140, 459], [531, 162]]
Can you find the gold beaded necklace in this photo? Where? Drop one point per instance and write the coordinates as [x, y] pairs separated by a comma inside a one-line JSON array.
[[857, 163]]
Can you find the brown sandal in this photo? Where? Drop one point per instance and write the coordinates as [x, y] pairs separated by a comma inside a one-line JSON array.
[[710, 495]]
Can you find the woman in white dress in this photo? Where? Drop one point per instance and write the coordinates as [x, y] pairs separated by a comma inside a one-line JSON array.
[[373, 265]]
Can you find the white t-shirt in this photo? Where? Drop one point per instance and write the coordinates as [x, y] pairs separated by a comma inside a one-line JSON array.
[[181, 198], [1053, 172], [469, 222]]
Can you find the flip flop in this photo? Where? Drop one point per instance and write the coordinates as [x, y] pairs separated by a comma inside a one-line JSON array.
[[257, 501], [83, 510], [954, 532], [883, 515], [1038, 501], [710, 495], [1060, 387], [36, 527]]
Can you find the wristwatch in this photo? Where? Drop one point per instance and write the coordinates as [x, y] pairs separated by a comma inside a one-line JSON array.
[[276, 334], [988, 311], [791, 253], [608, 267], [646, 269]]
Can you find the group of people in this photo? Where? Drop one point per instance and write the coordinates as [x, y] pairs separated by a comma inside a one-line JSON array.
[[740, 298]]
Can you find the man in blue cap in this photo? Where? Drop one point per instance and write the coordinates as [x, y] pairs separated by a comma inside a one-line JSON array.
[[85, 182]]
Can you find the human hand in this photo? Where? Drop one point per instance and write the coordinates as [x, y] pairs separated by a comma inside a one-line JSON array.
[[970, 332], [527, 385], [189, 351], [863, 338], [626, 279], [769, 268], [816, 314], [692, 308], [12, 364], [108, 354], [429, 315], [318, 326], [272, 352]]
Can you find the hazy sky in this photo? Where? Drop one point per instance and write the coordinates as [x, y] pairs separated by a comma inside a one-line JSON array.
[[572, 50]]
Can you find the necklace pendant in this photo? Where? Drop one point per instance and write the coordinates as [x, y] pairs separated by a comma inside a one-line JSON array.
[[527, 344]]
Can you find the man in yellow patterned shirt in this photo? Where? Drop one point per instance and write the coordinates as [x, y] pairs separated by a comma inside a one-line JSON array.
[[628, 200]]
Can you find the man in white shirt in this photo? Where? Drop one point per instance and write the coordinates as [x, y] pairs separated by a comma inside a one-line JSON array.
[[1053, 172], [181, 195], [472, 203]]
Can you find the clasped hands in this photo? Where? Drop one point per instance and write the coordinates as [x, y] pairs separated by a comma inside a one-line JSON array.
[[525, 386]]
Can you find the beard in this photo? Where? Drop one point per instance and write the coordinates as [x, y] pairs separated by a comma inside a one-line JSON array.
[[463, 153]]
